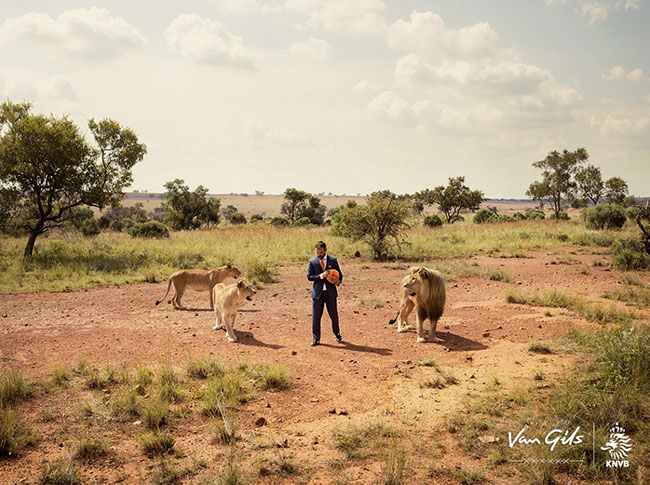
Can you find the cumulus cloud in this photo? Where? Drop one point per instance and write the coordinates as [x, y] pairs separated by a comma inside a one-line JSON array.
[[312, 48], [427, 34], [260, 133], [595, 12], [462, 78], [355, 16], [623, 125], [366, 87], [249, 7], [23, 85], [618, 72], [206, 41], [91, 34]]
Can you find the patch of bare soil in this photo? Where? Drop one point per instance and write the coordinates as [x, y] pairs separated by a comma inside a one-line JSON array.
[[371, 375]]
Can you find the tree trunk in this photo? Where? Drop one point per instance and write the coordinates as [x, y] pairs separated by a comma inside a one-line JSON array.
[[36, 230]]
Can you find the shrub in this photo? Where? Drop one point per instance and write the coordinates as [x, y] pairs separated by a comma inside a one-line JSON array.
[[629, 254], [14, 432], [501, 218], [605, 216], [433, 221], [303, 221], [256, 217], [90, 227], [259, 272], [238, 218], [483, 216], [562, 216], [61, 472], [535, 214], [518, 216], [149, 229], [279, 221]]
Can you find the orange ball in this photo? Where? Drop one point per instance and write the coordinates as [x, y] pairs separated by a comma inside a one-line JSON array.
[[333, 276]]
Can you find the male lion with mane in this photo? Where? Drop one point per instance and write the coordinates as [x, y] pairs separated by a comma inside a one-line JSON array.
[[198, 280], [422, 288], [226, 301]]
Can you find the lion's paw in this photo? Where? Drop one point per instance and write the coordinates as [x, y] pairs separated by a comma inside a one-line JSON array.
[[421, 340], [216, 327], [401, 330]]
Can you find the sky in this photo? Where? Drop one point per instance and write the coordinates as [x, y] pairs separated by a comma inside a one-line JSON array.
[[343, 96]]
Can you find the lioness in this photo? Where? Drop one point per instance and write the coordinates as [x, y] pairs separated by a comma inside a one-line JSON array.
[[422, 288], [226, 301], [198, 280]]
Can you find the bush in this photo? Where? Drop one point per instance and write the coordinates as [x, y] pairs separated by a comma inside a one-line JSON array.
[[562, 216], [149, 229], [535, 214], [483, 216], [279, 221], [605, 216], [238, 218], [433, 221], [303, 221], [256, 217], [501, 218], [90, 227], [518, 216], [630, 254]]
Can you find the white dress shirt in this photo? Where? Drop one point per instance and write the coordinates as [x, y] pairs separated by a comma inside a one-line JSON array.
[[322, 275]]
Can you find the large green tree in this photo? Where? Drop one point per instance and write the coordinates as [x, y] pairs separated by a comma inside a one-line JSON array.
[[381, 222], [48, 168], [300, 204], [557, 184], [189, 210], [451, 199], [616, 190], [590, 184]]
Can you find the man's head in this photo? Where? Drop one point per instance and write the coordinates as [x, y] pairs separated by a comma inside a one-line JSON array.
[[321, 249]]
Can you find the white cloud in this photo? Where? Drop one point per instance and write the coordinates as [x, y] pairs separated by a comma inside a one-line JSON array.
[[312, 48], [91, 34], [462, 78], [595, 12], [647, 98], [355, 16], [618, 72], [249, 7], [366, 87], [23, 85], [427, 34], [391, 108], [206, 41], [623, 125], [261, 133]]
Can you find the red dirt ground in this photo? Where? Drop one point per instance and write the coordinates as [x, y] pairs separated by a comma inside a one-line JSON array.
[[481, 336]]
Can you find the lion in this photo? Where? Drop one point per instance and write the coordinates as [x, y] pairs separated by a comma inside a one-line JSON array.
[[226, 301], [422, 288], [198, 280]]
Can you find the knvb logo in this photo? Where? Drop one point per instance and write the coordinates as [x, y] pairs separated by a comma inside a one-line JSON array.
[[618, 447]]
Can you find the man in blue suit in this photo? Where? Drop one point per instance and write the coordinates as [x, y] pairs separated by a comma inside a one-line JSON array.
[[323, 293]]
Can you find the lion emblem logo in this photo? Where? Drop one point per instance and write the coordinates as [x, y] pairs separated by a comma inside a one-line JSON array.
[[618, 444]]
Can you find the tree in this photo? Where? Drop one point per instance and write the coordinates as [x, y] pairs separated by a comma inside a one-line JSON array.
[[616, 190], [385, 216], [49, 168], [300, 205], [189, 210], [590, 183], [296, 201], [452, 199], [557, 182]]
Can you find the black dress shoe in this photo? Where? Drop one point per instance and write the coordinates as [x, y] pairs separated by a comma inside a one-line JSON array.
[[338, 337], [314, 343]]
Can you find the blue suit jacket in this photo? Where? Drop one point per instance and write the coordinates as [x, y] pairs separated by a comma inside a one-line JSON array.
[[313, 274]]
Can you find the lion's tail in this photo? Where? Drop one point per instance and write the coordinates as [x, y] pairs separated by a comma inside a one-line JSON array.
[[393, 320], [169, 285]]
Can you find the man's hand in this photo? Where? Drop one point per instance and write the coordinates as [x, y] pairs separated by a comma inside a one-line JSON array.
[[324, 274]]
